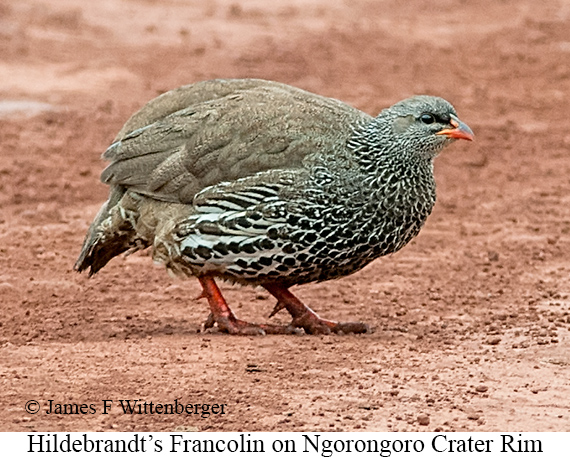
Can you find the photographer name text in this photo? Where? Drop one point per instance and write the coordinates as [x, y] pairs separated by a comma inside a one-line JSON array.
[[131, 407]]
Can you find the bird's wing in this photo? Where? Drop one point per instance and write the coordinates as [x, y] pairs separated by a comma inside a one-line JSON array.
[[221, 131], [244, 208]]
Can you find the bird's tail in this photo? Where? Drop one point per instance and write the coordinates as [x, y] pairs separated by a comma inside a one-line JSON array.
[[110, 234]]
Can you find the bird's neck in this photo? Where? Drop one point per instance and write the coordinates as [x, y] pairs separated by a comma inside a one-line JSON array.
[[373, 149]]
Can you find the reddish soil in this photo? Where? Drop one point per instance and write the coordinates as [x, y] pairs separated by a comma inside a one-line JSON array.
[[471, 320]]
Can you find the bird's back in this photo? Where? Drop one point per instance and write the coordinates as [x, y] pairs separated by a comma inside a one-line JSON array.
[[222, 130]]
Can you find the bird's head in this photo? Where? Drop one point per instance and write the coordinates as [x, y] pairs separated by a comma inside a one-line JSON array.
[[423, 124]]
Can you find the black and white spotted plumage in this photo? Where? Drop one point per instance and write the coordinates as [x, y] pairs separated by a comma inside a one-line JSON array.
[[258, 182]]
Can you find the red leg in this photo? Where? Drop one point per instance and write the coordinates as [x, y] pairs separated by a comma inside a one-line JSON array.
[[305, 317], [221, 314]]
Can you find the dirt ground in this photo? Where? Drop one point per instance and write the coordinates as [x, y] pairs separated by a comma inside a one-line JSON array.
[[471, 321]]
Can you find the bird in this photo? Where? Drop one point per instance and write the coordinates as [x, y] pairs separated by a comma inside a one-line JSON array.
[[260, 183]]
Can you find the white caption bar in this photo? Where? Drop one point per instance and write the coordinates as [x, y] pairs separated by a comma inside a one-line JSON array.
[[288, 444]]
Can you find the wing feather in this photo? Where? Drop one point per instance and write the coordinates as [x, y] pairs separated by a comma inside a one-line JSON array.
[[219, 131]]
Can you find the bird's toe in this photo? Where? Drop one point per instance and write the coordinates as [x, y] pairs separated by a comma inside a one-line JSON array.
[[351, 327], [314, 325]]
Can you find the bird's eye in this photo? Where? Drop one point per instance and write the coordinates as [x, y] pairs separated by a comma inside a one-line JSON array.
[[427, 118]]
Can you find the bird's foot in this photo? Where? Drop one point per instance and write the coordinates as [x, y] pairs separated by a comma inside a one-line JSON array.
[[314, 325], [226, 321], [234, 326], [305, 318]]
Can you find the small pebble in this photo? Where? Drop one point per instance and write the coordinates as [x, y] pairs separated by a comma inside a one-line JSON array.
[[423, 419], [481, 388]]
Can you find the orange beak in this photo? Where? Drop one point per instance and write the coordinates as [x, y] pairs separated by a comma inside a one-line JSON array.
[[459, 131]]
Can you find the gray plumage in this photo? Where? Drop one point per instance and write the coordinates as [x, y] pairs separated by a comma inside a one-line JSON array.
[[258, 182]]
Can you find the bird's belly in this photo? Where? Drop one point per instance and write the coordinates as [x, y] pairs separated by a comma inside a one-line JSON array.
[[287, 254]]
